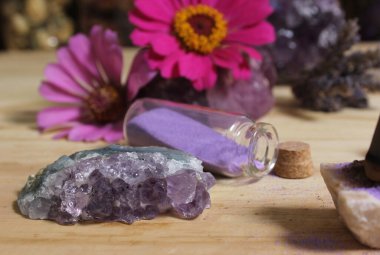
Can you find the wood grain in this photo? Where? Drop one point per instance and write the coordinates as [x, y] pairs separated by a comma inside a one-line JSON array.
[[272, 216]]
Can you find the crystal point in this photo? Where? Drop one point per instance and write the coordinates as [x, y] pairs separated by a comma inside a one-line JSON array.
[[117, 183]]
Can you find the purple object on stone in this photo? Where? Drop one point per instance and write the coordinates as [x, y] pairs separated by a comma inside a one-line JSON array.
[[165, 127], [117, 183]]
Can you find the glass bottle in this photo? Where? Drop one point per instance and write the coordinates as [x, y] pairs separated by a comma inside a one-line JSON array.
[[227, 143]]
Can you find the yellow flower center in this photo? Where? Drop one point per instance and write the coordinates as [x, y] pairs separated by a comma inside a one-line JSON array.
[[200, 28]]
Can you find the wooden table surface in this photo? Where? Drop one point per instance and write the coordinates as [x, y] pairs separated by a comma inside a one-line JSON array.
[[273, 216]]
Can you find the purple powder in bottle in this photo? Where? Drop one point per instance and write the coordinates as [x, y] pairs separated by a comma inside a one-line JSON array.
[[165, 127]]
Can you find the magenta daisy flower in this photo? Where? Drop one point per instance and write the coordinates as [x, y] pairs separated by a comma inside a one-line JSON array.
[[87, 81], [195, 38]]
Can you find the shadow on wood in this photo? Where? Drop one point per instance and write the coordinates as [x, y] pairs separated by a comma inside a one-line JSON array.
[[315, 229], [25, 118], [290, 107]]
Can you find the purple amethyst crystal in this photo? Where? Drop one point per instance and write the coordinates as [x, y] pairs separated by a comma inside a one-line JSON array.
[[305, 31], [252, 97], [117, 183]]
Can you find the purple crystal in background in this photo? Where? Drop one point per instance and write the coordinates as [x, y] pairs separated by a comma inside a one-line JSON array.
[[305, 31], [252, 97], [117, 183]]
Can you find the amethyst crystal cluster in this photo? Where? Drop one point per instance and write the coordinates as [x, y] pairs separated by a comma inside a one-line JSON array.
[[305, 31], [117, 183]]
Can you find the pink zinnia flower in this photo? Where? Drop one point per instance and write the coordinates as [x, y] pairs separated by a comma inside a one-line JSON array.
[[88, 81], [194, 38]]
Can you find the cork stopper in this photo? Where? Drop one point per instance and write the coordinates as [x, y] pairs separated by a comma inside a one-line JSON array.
[[372, 159], [294, 160]]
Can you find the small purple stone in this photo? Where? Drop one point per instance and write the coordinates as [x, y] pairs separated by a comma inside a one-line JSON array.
[[117, 183]]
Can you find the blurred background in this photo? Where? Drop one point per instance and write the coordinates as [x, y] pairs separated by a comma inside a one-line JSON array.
[[47, 24]]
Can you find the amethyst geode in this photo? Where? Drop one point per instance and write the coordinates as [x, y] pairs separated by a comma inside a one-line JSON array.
[[117, 183]]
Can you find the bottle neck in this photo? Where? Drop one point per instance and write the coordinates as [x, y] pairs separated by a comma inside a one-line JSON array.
[[261, 141], [262, 149]]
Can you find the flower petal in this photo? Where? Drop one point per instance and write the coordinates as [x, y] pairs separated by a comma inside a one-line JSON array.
[[145, 23], [169, 66], [243, 71], [98, 133], [80, 48], [262, 33], [211, 3], [157, 9], [165, 44], [108, 53], [208, 79], [253, 53], [115, 134], [140, 74], [91, 133], [143, 38], [52, 116], [193, 66], [72, 67], [242, 13], [79, 132], [61, 134], [56, 94], [57, 76], [205, 82], [227, 57]]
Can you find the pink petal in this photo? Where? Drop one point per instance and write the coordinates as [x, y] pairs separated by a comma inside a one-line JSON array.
[[108, 53], [193, 66], [165, 44], [262, 33], [52, 116], [243, 71], [154, 60], [90, 133], [227, 57], [242, 13], [98, 133], [208, 80], [157, 9], [115, 134], [188, 2], [72, 67], [142, 38], [55, 94], [144, 23], [211, 3], [140, 74], [228, 8], [175, 4], [169, 66], [57, 76], [61, 134], [253, 53], [80, 48], [79, 132]]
